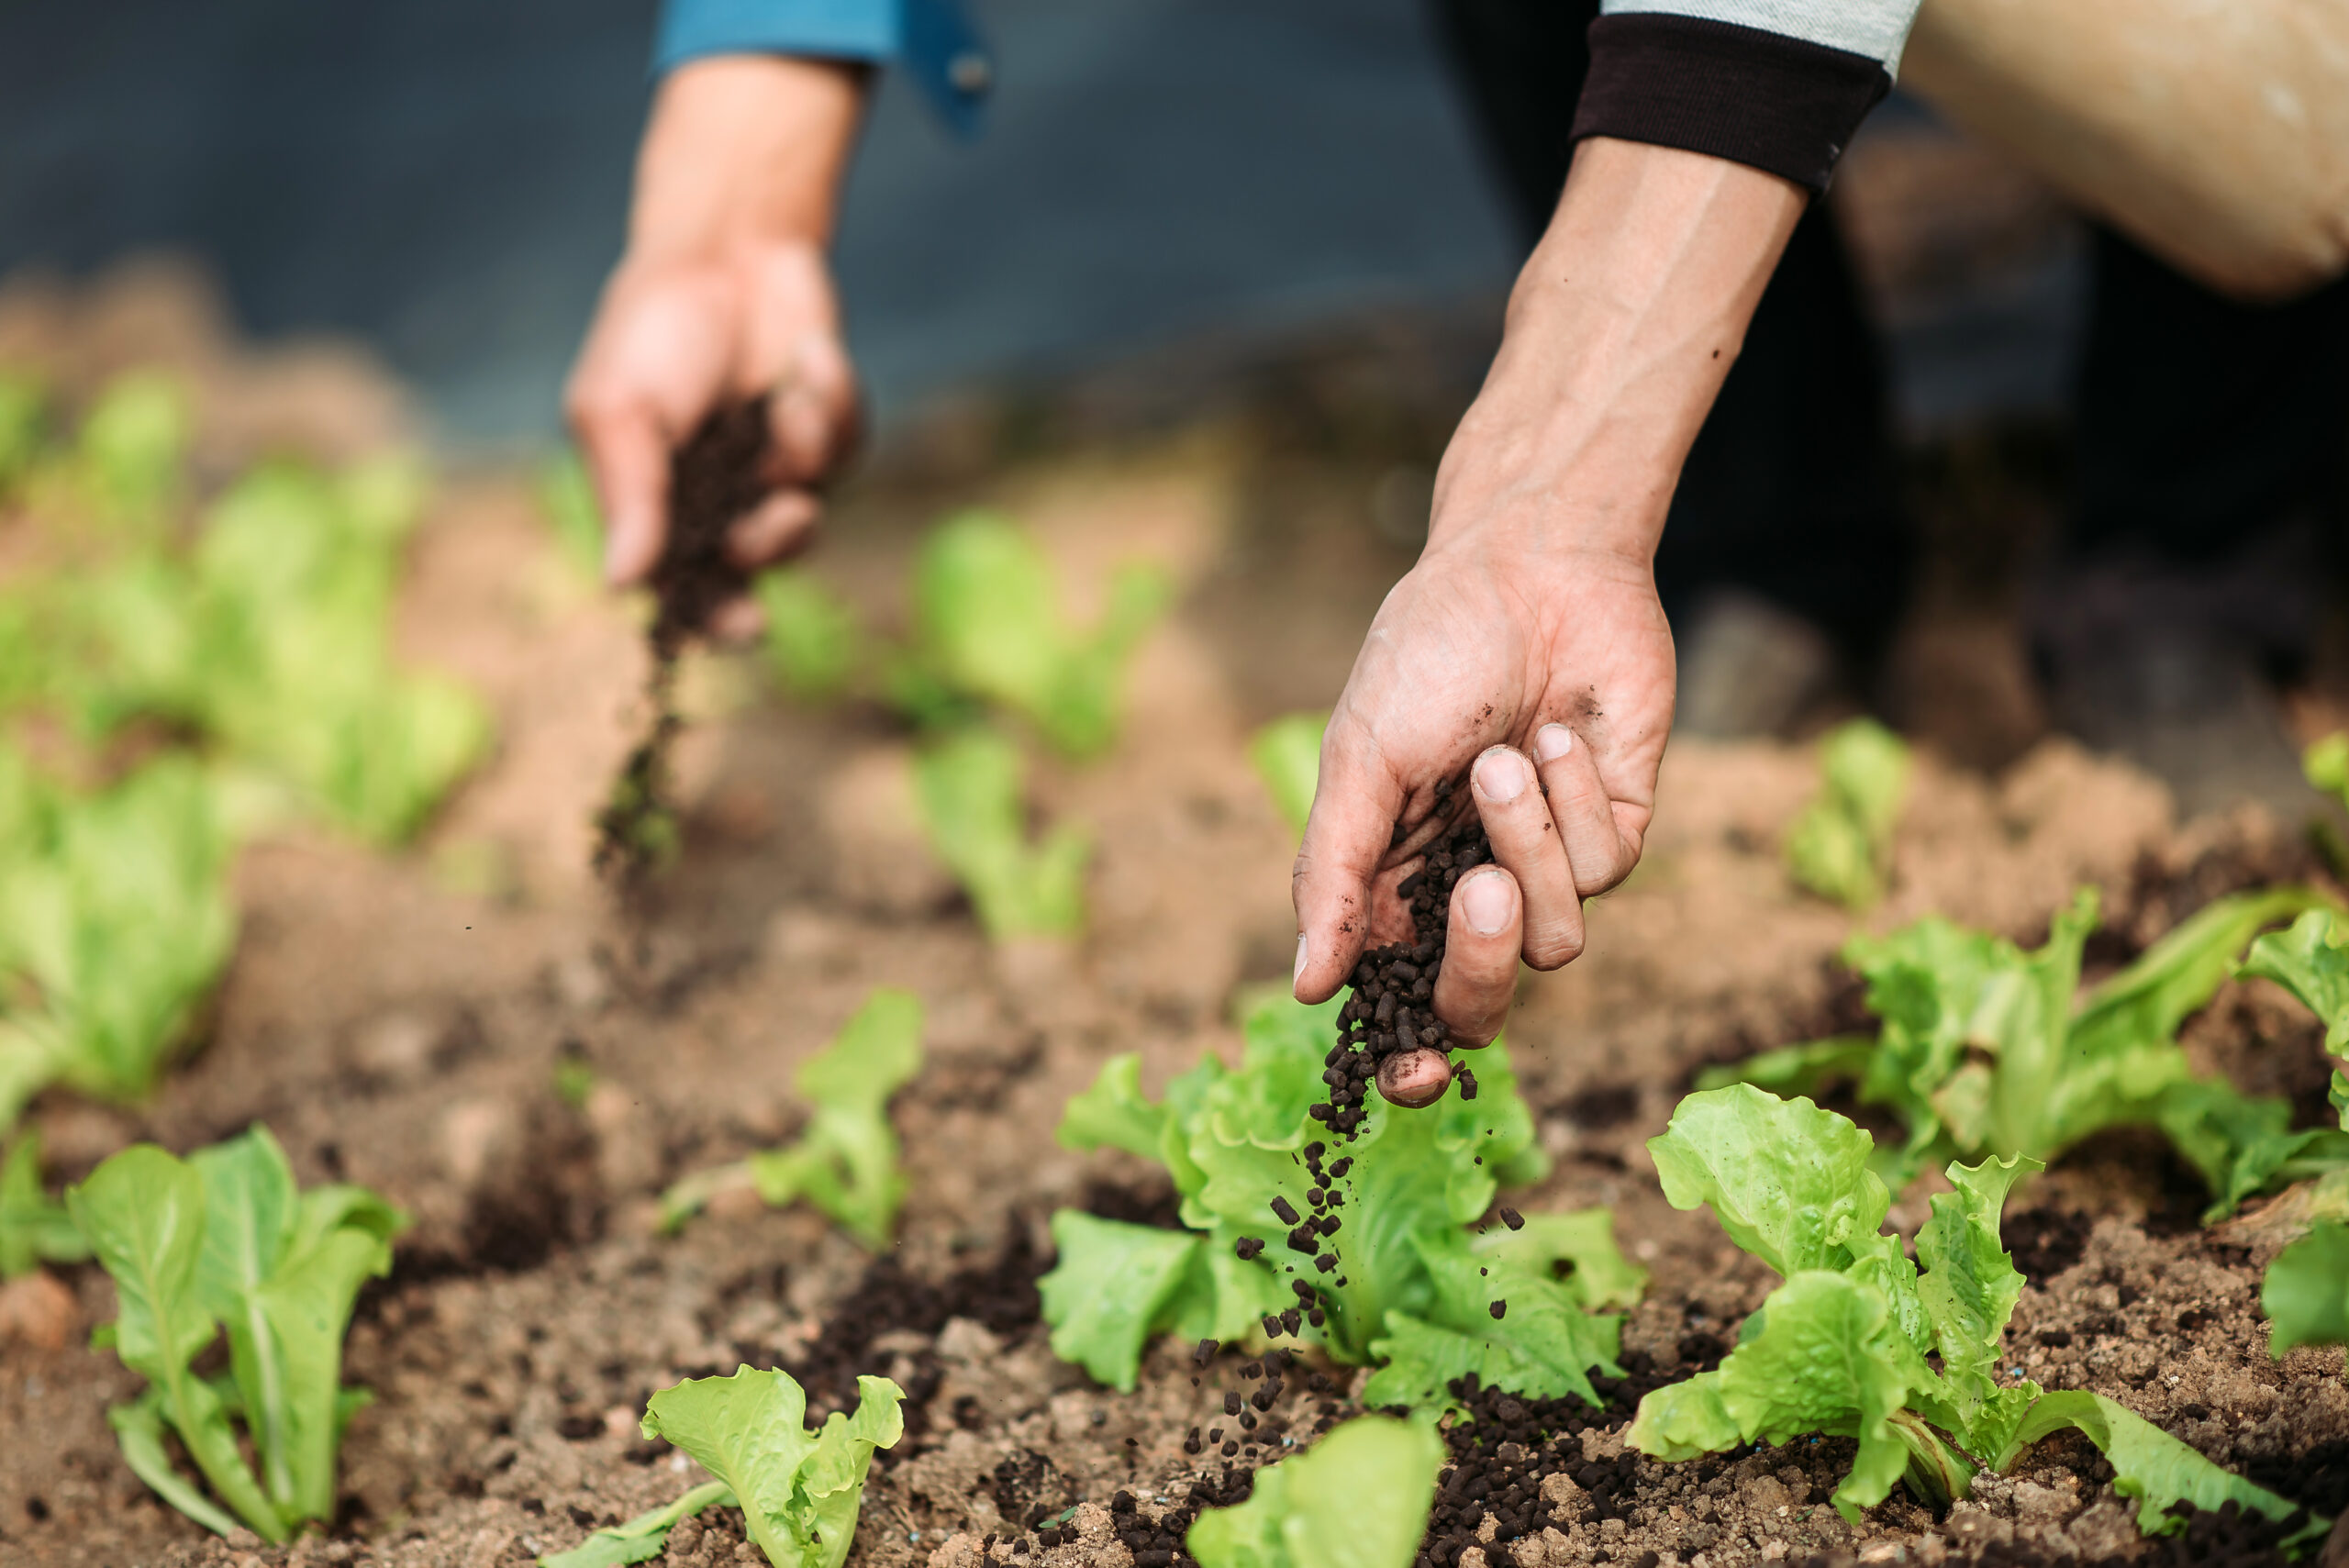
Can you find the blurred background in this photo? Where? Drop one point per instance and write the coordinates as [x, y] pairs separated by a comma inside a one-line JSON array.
[[447, 183]]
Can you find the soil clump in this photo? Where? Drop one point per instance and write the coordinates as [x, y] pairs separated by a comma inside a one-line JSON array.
[[715, 478]]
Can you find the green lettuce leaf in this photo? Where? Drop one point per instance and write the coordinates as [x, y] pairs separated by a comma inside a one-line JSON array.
[[1542, 1344], [34, 1227], [2311, 962], [643, 1538], [225, 1240], [1359, 1498], [1577, 1249], [1287, 755], [1840, 847], [2306, 1294], [972, 788], [115, 917], [1827, 1357], [1234, 1142], [814, 642], [1115, 1286], [799, 1491], [988, 625], [1969, 1285], [845, 1164], [2147, 1462], [2179, 973], [1788, 1182], [567, 497], [143, 1213], [1114, 1113]]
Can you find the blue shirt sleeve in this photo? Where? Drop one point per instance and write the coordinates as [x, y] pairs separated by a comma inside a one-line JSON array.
[[933, 40]]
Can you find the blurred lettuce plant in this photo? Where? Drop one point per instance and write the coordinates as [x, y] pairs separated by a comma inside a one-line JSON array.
[[845, 1164], [1357, 1498], [1288, 756], [115, 923], [224, 1242], [1840, 846], [972, 788]]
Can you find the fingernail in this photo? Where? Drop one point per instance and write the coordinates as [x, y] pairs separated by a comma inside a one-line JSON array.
[[1553, 741], [1484, 899], [1297, 974], [1500, 775]]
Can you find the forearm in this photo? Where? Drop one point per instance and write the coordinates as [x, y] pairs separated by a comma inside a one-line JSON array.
[[743, 151], [1621, 328]]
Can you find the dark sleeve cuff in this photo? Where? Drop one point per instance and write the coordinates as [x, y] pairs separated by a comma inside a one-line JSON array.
[[1781, 105]]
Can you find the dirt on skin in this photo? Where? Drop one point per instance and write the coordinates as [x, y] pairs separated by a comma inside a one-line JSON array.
[[400, 1021]]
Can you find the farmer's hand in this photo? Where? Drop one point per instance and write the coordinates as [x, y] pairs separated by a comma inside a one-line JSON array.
[[724, 293], [1528, 640]]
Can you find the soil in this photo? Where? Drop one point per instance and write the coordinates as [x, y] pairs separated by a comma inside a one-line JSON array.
[[405, 1022], [1379, 1022], [714, 479]]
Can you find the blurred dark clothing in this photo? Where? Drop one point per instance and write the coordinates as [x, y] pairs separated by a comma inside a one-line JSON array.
[[2203, 425]]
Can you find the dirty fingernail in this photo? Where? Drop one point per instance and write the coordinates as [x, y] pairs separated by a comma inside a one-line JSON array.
[[1500, 775], [1485, 898], [1297, 974], [1553, 741], [1414, 1078]]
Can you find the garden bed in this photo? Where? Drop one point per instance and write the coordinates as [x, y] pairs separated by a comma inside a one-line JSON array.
[[470, 1029]]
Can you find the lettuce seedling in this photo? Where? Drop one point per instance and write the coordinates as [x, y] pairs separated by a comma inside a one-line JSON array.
[[34, 1227], [1358, 1498], [971, 788], [2305, 1294], [1287, 754], [1412, 1288], [223, 1240], [115, 921], [988, 627], [1842, 1346], [799, 1491], [846, 1163], [814, 641], [1840, 846], [270, 638], [1988, 1050]]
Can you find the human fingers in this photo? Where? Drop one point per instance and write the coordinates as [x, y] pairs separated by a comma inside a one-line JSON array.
[[626, 454], [813, 410], [774, 528], [1346, 835], [1601, 844], [1484, 935], [1414, 1078], [735, 623], [1517, 820]]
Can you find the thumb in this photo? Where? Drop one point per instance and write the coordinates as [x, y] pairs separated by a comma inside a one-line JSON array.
[[1346, 838], [628, 455]]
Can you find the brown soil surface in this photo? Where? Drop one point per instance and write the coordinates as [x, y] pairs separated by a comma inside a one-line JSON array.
[[399, 1020]]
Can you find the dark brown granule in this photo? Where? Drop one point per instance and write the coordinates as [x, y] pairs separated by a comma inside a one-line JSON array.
[[715, 478], [1391, 1006]]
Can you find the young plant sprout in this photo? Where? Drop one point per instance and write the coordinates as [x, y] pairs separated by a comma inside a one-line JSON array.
[[1358, 1498], [1841, 846], [115, 922], [972, 789], [799, 1491], [846, 1163], [220, 1241]]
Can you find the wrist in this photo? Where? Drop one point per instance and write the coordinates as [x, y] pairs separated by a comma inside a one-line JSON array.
[[1620, 330], [743, 155]]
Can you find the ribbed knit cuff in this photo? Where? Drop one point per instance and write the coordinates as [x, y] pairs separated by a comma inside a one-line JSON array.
[[1781, 105]]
